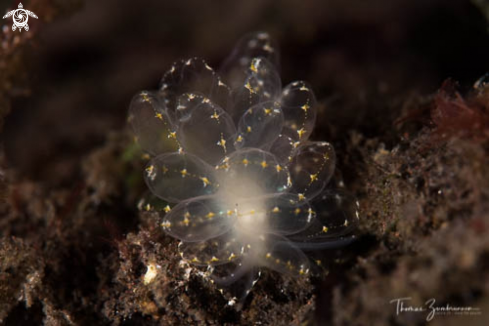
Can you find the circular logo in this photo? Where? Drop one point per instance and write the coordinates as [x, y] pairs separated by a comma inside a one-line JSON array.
[[20, 18]]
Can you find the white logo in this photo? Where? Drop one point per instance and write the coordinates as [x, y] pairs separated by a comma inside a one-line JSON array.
[[20, 16]]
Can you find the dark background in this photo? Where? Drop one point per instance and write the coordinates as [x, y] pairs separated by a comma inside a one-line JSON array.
[[85, 66]]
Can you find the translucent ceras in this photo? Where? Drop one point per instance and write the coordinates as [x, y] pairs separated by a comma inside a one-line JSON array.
[[233, 156]]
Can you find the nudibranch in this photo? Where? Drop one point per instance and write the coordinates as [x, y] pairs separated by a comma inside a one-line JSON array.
[[231, 156]]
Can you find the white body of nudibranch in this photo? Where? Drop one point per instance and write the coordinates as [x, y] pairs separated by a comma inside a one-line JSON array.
[[245, 187]]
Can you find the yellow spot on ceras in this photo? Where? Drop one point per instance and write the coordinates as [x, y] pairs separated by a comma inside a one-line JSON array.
[[325, 229], [151, 272], [305, 107], [183, 173], [231, 256], [248, 87], [224, 165], [276, 210], [222, 143], [165, 169], [301, 132], [159, 116], [303, 88], [195, 260], [147, 207], [214, 259], [205, 181], [245, 162], [186, 220], [302, 271], [268, 255], [210, 215], [239, 139], [301, 197], [167, 208], [145, 97], [264, 164], [267, 111], [313, 177], [166, 224], [248, 129], [278, 168], [215, 115], [254, 64], [173, 134], [150, 169], [150, 172]]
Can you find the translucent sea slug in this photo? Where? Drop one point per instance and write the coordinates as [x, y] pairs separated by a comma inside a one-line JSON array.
[[231, 154]]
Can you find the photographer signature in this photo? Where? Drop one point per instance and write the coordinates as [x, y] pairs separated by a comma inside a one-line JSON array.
[[431, 309]]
